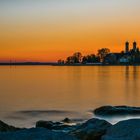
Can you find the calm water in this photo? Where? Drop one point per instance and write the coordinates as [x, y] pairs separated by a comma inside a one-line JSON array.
[[31, 93]]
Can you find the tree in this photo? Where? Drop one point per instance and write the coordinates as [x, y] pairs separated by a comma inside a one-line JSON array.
[[69, 60], [92, 58], [77, 57], [60, 61], [102, 53], [84, 59]]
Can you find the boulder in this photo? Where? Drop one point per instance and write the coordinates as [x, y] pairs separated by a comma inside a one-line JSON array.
[[55, 125], [35, 134], [45, 124], [5, 127], [124, 130], [93, 129], [116, 111], [67, 120]]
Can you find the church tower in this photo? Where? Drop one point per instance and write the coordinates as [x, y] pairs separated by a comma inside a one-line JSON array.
[[134, 46], [127, 47]]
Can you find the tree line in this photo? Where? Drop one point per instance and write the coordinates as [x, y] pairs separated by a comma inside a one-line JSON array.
[[91, 58]]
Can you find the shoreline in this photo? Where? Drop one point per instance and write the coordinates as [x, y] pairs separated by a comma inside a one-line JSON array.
[[62, 65], [92, 129]]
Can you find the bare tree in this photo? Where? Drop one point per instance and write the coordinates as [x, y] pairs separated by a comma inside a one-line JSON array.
[[102, 53]]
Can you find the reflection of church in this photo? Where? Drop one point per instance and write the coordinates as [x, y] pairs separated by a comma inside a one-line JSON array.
[[132, 84]]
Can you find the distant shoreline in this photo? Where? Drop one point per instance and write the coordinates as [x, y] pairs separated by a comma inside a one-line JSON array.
[[56, 64]]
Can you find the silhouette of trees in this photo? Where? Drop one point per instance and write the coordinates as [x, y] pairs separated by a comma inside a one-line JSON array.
[[78, 58], [75, 58], [105, 57], [102, 53], [92, 58], [69, 60], [60, 61]]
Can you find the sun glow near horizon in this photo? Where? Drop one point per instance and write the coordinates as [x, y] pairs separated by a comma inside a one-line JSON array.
[[49, 30]]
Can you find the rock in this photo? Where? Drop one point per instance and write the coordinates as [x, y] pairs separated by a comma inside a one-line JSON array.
[[35, 134], [54, 125], [117, 111], [124, 130], [93, 129], [45, 124], [66, 120], [5, 127]]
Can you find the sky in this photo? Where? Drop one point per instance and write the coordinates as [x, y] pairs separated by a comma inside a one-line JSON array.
[[48, 30]]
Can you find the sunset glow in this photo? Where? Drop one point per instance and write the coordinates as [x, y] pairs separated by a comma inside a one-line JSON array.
[[47, 30]]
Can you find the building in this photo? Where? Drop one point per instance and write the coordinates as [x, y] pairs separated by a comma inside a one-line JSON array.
[[113, 58], [125, 59], [134, 46], [127, 47]]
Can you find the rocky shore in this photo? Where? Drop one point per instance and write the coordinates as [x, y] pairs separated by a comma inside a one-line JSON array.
[[117, 111], [93, 129]]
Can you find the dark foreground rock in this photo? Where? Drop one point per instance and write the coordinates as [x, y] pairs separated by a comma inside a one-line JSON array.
[[124, 130], [5, 127], [35, 134], [61, 126], [67, 120], [117, 111], [45, 124], [93, 129]]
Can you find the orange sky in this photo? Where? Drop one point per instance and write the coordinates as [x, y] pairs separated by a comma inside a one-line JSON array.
[[50, 30]]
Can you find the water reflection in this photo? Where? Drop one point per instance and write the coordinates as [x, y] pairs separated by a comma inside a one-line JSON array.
[[67, 88], [131, 84], [127, 81]]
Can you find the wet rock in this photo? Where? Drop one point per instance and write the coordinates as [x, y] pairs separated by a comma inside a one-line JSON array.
[[45, 124], [116, 111], [124, 130], [67, 120], [35, 134], [93, 129], [54, 125], [5, 127]]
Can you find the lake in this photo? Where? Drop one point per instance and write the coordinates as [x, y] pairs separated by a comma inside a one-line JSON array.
[[32, 93]]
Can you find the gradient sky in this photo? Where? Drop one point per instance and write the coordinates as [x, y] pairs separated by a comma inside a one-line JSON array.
[[47, 30]]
